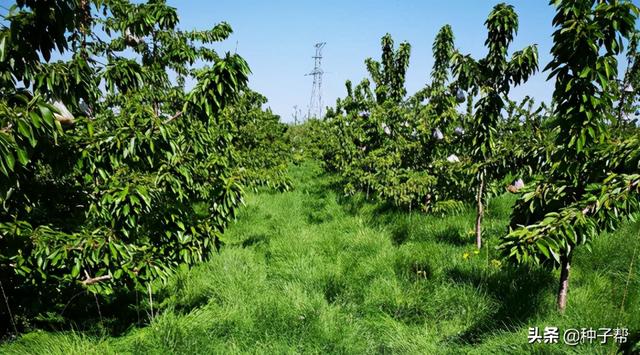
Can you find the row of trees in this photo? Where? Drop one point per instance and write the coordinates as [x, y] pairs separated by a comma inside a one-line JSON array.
[[580, 155], [112, 172], [421, 151]]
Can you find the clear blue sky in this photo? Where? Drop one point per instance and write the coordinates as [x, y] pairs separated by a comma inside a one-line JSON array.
[[277, 37]]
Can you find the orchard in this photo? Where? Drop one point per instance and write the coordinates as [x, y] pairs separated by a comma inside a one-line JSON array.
[[150, 202]]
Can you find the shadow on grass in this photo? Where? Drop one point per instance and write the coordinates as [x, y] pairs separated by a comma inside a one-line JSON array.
[[318, 211], [351, 205], [404, 227], [321, 187], [386, 212], [414, 270], [255, 240], [360, 203], [317, 200], [452, 236], [519, 293], [334, 288], [400, 233]]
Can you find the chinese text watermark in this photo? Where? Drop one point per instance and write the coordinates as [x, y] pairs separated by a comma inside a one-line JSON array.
[[575, 336]]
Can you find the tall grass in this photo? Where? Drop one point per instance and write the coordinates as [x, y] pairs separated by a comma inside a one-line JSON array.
[[313, 271]]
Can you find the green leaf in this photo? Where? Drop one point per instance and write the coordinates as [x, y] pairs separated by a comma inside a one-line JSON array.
[[556, 257], [24, 130], [47, 115], [35, 119], [3, 48], [75, 271], [10, 160], [23, 158]]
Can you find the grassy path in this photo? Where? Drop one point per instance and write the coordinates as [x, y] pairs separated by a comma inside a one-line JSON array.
[[310, 271]]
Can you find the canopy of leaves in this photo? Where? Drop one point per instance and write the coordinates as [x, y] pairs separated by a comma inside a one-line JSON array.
[[592, 181], [419, 151], [111, 173]]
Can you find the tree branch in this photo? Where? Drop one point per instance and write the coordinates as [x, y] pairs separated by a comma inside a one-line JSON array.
[[91, 280], [6, 129], [178, 114]]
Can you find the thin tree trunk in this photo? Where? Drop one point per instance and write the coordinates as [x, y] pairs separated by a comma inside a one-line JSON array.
[[480, 212], [564, 283], [6, 302], [150, 299], [620, 106]]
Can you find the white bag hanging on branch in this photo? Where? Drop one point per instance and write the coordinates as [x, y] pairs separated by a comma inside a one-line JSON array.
[[85, 108], [131, 39], [453, 158], [519, 184], [63, 116], [516, 186], [386, 128], [437, 134]]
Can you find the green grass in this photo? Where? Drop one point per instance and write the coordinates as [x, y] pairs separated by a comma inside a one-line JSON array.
[[312, 271]]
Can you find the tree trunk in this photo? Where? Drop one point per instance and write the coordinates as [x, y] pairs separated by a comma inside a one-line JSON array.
[[564, 283], [620, 107], [480, 212]]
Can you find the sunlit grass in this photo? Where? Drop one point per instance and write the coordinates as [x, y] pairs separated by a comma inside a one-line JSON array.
[[311, 271]]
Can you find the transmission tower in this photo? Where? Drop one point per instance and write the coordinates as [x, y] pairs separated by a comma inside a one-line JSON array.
[[296, 113], [315, 103]]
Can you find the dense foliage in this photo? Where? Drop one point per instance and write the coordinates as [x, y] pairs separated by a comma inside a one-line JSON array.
[[112, 173], [422, 151], [593, 181], [384, 144], [260, 140]]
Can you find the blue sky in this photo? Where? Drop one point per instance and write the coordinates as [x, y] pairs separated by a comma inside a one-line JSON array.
[[277, 37]]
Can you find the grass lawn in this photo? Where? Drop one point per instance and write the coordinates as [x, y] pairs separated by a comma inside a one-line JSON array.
[[312, 271]]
